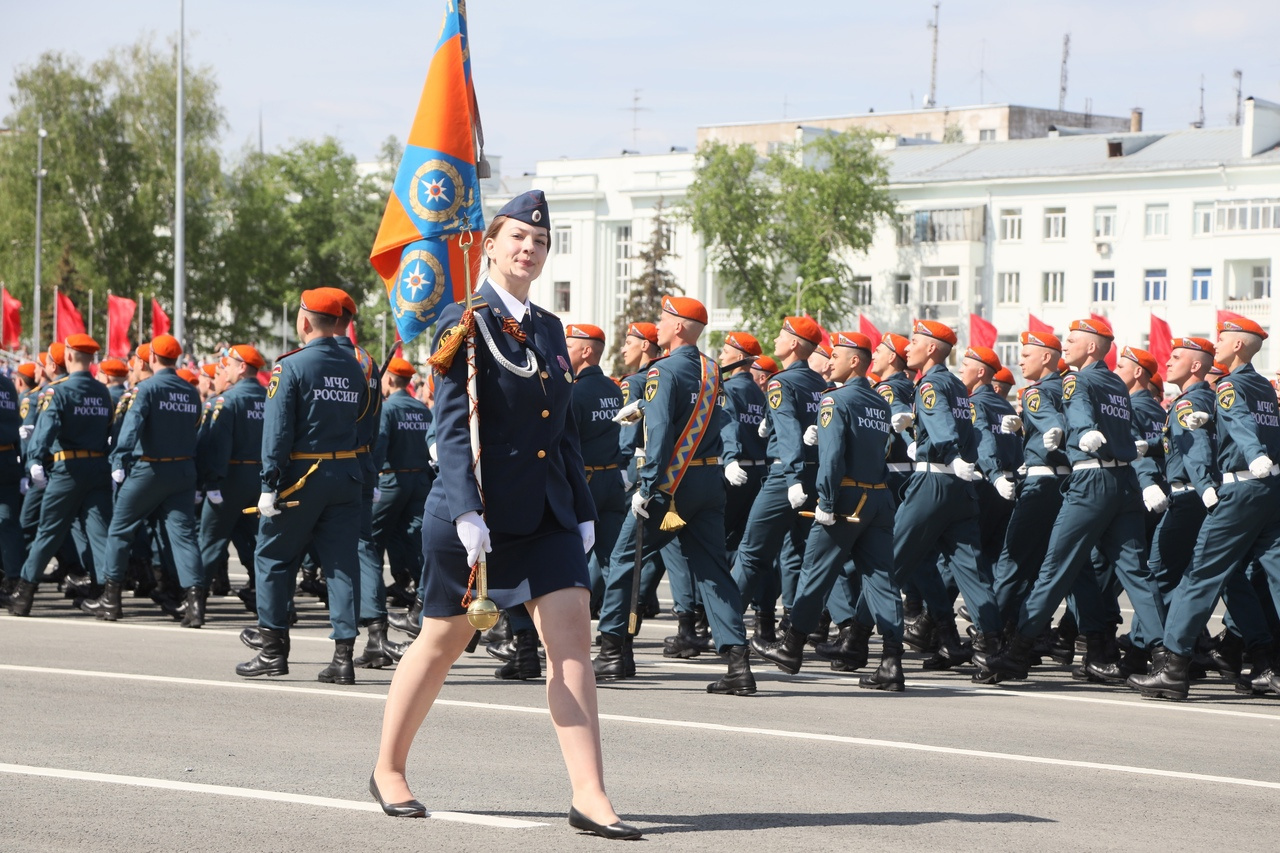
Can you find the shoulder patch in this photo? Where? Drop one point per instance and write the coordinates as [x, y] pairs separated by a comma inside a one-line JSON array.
[[773, 393], [626, 393], [826, 411], [928, 396], [884, 389], [25, 408], [274, 384], [1068, 386], [973, 414], [1226, 395], [1183, 404], [651, 384], [1031, 400]]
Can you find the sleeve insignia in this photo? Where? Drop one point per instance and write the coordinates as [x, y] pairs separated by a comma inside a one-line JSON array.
[[928, 396], [651, 385], [973, 414], [1164, 442], [1226, 396], [626, 393], [774, 393], [1031, 400], [886, 390], [217, 408], [1068, 386], [25, 407], [826, 411], [274, 384]]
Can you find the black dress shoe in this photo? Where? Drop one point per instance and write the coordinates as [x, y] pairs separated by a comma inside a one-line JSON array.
[[409, 808], [618, 831]]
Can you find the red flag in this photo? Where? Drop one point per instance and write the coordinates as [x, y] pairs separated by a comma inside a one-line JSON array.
[[11, 337], [351, 332], [1160, 342], [1224, 316], [1111, 355], [866, 327], [981, 333], [159, 320], [1035, 324], [69, 320], [119, 320]]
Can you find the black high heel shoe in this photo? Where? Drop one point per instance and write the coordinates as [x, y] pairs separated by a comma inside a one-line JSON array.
[[617, 831], [409, 808]]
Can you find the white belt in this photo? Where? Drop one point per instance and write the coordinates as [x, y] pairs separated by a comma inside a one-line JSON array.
[[751, 463], [900, 467], [1179, 488], [1241, 476], [1097, 463], [934, 468], [1047, 471]]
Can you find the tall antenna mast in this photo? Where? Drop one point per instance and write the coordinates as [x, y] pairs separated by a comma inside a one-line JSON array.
[[635, 109], [932, 100], [1200, 120], [1062, 78], [1239, 75]]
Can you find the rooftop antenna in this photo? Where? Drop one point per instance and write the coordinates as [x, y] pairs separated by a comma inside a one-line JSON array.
[[1239, 75], [932, 100], [260, 147], [635, 109], [1062, 77], [982, 73], [1200, 120]]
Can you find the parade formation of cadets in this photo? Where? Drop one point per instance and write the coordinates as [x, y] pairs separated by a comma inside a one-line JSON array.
[[861, 483]]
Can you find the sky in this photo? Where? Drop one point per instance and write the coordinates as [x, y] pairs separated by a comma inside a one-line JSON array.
[[557, 79]]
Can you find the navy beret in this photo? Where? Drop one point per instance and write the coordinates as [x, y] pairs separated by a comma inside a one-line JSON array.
[[530, 208]]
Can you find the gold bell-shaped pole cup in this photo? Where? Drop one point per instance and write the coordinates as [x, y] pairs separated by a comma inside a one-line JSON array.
[[482, 613]]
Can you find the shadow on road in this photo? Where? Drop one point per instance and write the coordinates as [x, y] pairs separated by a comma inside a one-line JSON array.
[[735, 821]]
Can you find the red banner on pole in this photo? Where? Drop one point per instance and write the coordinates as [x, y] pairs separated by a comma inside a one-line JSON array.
[[981, 332], [1160, 343], [1111, 355], [866, 327], [69, 321], [11, 337], [119, 320], [1035, 324], [159, 320]]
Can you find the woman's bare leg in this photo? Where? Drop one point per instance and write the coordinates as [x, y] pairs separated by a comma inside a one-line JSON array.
[[564, 622], [414, 687]]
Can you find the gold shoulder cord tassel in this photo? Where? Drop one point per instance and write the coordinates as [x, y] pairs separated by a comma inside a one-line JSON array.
[[672, 520]]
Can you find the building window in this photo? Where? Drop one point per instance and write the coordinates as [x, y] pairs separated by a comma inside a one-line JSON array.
[[1055, 288], [941, 285], [1104, 286], [1256, 215], [1155, 286], [861, 290], [1009, 288], [669, 238], [1261, 281], [1157, 224], [1011, 224], [987, 134], [1104, 222], [925, 136], [941, 226], [1201, 284], [561, 297], [906, 229], [1009, 350], [902, 290], [1055, 223], [1202, 219], [564, 240], [621, 268]]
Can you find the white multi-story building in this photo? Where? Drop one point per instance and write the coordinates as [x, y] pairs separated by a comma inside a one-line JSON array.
[[1178, 224]]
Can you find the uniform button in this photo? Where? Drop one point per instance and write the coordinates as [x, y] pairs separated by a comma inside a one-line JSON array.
[[546, 375], [545, 413], [542, 454]]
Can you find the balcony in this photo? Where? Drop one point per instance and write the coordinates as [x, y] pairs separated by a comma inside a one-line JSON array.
[[725, 318], [1254, 309]]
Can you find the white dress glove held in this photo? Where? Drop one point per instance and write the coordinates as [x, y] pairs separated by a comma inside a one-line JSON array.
[[735, 473], [811, 435], [587, 530], [1092, 440], [474, 535], [796, 496], [1154, 499], [1010, 424], [1052, 438], [826, 519], [266, 504], [902, 421]]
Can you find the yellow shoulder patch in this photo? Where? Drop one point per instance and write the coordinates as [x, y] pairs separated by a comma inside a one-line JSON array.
[[773, 392]]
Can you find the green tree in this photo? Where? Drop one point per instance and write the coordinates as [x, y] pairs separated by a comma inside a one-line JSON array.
[[804, 210], [644, 296]]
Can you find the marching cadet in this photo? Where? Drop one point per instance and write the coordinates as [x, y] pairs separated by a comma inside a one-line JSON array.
[[12, 548], [1100, 509], [774, 525], [29, 409], [889, 361], [158, 438], [316, 396], [1136, 369], [25, 385], [639, 347], [70, 443], [820, 361], [1244, 524], [762, 369], [680, 494], [1002, 383], [112, 372], [230, 461], [939, 509]]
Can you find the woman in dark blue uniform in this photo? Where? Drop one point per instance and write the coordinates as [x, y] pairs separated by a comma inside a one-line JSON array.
[[536, 548]]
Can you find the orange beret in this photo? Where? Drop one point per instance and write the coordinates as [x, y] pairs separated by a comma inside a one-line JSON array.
[[188, 375], [400, 367], [984, 355], [1218, 369], [873, 377], [210, 369], [83, 343], [166, 346], [743, 342], [248, 354], [40, 358], [1094, 326], [28, 369], [644, 331], [323, 300], [934, 329], [144, 352], [823, 349], [1004, 375], [804, 328], [1048, 340], [855, 340], [1241, 324], [1200, 344], [1142, 358], [897, 343], [683, 306], [1062, 365], [585, 331], [765, 364], [113, 367], [58, 352]]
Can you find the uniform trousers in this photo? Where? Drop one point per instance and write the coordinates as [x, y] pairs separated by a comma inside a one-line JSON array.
[[372, 587], [225, 524], [166, 488], [611, 506], [75, 485], [397, 521], [13, 550], [774, 529], [1175, 540], [1025, 542]]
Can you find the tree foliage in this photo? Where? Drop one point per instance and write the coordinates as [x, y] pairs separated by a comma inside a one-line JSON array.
[[804, 210], [644, 297]]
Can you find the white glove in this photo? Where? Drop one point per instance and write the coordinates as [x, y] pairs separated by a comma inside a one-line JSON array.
[[1195, 420], [37, 475], [431, 452], [267, 505], [811, 435], [628, 414], [118, 475], [24, 485], [1154, 498], [214, 496], [377, 495], [587, 530], [826, 519], [199, 498], [1053, 438], [474, 535], [626, 480], [1260, 467], [763, 429], [911, 451], [964, 470], [638, 504], [1092, 440], [1007, 488], [902, 421], [1210, 497], [735, 473], [796, 496], [1141, 446], [24, 431], [1010, 424]]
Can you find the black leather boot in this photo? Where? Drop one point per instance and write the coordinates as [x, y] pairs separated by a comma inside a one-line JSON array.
[[629, 654], [220, 583], [194, 616], [918, 632], [1097, 665], [341, 670], [525, 665], [375, 655], [822, 633], [107, 605], [702, 630], [7, 586], [249, 598], [951, 651], [503, 650], [1169, 679], [738, 681], [1015, 659], [610, 665], [1135, 661], [684, 643], [401, 595], [984, 646], [252, 638], [849, 651], [887, 676], [272, 660], [499, 633], [1258, 681], [410, 623], [766, 627], [20, 600], [787, 654], [1227, 656]]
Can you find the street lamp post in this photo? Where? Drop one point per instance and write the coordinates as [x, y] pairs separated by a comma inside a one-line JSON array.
[[41, 133], [801, 287], [180, 194]]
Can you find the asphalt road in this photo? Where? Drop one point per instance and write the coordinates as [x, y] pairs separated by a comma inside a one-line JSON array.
[[138, 736]]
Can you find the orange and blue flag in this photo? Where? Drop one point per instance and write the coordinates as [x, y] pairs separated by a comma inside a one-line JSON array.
[[434, 205]]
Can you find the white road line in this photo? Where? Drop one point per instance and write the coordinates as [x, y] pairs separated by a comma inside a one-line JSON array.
[[685, 724], [254, 794]]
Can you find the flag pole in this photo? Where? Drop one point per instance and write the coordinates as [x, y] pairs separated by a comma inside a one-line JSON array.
[[89, 331], [54, 336]]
